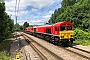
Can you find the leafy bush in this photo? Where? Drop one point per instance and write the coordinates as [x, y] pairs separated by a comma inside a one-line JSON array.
[[4, 56], [82, 35], [83, 42], [4, 50]]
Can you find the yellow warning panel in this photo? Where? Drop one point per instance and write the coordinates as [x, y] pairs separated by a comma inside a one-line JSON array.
[[17, 57]]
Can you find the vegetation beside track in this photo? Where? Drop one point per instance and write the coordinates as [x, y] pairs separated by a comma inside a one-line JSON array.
[[6, 29], [82, 37], [4, 49], [83, 42]]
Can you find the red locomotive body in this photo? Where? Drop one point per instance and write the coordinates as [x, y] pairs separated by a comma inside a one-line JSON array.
[[27, 29], [44, 29], [59, 33]]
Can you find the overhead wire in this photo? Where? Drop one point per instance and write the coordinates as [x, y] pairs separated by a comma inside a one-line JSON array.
[[46, 6], [51, 8], [16, 11], [43, 8], [18, 7]]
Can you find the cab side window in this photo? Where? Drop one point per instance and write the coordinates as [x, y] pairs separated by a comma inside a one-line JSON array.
[[69, 27], [62, 28]]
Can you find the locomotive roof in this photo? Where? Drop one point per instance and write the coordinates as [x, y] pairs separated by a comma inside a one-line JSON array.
[[28, 27], [43, 26], [61, 23], [56, 24]]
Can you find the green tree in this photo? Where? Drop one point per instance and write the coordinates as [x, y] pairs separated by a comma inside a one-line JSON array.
[[77, 13], [21, 27], [66, 3], [26, 24], [2, 20], [16, 26], [6, 23]]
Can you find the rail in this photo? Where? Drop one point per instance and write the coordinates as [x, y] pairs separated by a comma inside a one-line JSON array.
[[39, 53], [58, 57]]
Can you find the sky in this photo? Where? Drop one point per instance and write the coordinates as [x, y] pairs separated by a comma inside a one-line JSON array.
[[36, 12]]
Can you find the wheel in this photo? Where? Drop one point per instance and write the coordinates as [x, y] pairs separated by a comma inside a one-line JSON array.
[[56, 41], [70, 43]]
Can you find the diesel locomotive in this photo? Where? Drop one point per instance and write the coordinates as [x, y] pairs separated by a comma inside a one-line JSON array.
[[61, 33]]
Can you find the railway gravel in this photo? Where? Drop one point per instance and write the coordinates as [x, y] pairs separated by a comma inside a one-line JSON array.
[[80, 52], [14, 48], [21, 47], [66, 55], [45, 52], [28, 51], [86, 48]]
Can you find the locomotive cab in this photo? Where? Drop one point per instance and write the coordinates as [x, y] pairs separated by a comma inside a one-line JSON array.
[[65, 32]]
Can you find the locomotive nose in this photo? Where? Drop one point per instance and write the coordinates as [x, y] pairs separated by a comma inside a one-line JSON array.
[[66, 34]]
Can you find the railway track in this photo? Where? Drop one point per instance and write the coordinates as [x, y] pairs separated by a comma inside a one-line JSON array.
[[39, 53], [42, 51], [79, 52], [73, 52], [25, 56], [82, 50]]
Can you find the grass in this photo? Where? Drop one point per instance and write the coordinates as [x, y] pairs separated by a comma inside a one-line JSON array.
[[4, 56], [4, 50], [83, 42]]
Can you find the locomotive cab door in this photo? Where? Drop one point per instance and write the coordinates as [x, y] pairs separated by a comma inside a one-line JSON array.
[[56, 30]]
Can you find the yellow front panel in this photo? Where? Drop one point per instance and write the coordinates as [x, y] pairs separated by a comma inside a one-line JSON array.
[[66, 34]]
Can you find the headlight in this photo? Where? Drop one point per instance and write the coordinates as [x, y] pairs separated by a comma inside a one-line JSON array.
[[71, 35], [62, 36]]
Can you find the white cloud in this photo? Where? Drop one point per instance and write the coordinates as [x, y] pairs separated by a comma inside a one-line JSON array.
[[47, 16], [10, 5], [21, 22], [49, 13], [38, 21], [35, 5], [11, 13], [35, 10], [23, 13]]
